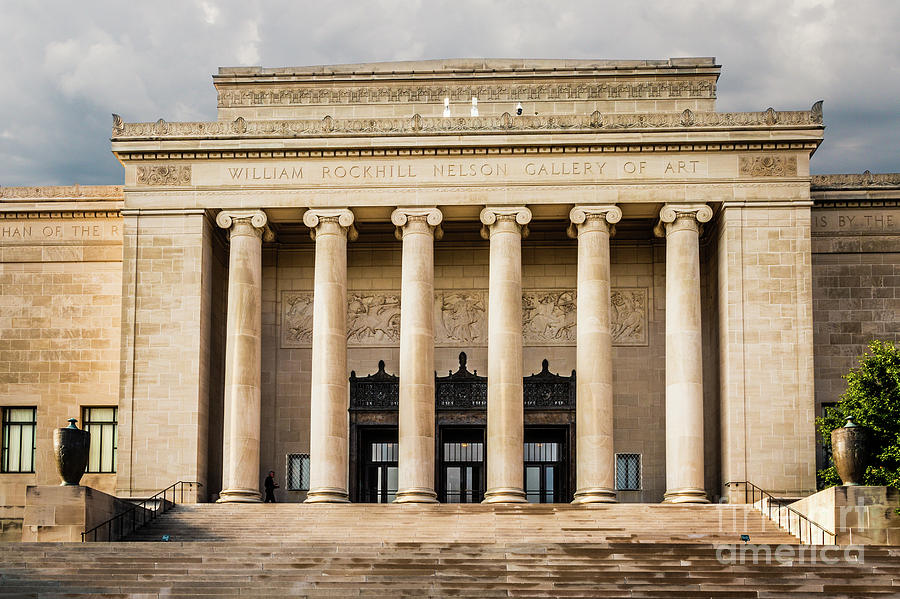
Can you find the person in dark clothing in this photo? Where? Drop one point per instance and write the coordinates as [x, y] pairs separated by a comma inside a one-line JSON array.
[[271, 485]]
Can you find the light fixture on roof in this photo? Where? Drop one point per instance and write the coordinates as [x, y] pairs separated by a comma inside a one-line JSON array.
[[474, 111], [446, 106]]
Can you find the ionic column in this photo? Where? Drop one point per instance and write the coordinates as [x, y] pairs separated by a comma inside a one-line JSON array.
[[417, 228], [330, 392], [680, 223], [505, 227], [595, 470], [247, 229]]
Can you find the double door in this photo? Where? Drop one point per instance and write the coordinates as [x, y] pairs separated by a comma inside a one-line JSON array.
[[461, 465]]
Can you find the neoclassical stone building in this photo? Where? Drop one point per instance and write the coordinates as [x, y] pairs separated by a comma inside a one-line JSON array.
[[609, 290]]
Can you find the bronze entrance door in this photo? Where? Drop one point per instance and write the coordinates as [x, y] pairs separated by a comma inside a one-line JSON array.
[[461, 465], [545, 465], [378, 480]]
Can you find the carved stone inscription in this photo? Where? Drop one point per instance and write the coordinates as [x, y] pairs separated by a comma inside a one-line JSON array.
[[872, 221], [360, 172], [460, 318]]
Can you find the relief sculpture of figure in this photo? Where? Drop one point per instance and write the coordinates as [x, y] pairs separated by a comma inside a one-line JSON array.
[[627, 315], [298, 318], [462, 315], [373, 317], [549, 316]]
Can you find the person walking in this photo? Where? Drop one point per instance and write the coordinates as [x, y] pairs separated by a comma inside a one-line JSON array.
[[270, 485]]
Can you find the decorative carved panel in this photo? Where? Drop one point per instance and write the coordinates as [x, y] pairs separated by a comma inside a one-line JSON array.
[[629, 315], [768, 165], [460, 318], [373, 318], [170, 174], [548, 317]]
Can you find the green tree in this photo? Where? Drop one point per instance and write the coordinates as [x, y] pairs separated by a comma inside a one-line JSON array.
[[872, 400]]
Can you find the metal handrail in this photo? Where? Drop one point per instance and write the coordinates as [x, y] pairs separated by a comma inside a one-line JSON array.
[[752, 491], [121, 525]]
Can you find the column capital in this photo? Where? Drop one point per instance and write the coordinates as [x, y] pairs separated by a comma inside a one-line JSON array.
[[604, 216], [341, 218], [670, 213], [492, 215], [429, 220], [245, 222]]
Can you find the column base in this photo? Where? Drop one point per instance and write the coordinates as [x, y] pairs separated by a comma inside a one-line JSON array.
[[595, 495], [416, 495], [239, 496], [504, 495], [688, 495], [327, 495]]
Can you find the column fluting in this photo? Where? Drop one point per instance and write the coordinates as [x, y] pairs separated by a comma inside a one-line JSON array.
[[505, 227], [595, 470], [417, 228], [681, 225], [329, 433], [247, 229]]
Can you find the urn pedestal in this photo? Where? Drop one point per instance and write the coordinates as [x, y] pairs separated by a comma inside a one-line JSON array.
[[851, 451], [72, 447]]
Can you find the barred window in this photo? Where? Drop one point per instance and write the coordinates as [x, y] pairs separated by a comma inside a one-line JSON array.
[[19, 426], [101, 423], [297, 472], [628, 472]]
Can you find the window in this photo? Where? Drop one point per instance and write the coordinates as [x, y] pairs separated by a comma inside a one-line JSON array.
[[297, 472], [101, 423], [19, 426], [628, 472]]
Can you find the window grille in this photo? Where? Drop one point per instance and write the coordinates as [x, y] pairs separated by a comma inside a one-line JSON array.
[[101, 423], [297, 478], [19, 426], [385, 452], [628, 472], [541, 452], [463, 452]]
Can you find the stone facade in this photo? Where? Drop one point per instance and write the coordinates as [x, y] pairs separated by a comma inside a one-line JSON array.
[[766, 286]]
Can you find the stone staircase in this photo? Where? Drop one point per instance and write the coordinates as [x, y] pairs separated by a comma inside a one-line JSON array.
[[293, 550]]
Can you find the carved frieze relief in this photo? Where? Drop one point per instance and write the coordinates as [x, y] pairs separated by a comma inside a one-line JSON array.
[[460, 318], [435, 94], [166, 174], [768, 165]]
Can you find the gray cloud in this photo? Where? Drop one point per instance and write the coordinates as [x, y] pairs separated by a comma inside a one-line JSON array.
[[66, 68]]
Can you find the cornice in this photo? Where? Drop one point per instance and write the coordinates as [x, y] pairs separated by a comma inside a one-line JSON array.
[[555, 149], [58, 214], [506, 124], [865, 180], [56, 193]]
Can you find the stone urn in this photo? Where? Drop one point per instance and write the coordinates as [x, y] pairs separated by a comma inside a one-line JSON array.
[[851, 449], [72, 447]]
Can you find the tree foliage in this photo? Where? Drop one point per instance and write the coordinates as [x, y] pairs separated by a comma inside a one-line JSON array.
[[872, 400]]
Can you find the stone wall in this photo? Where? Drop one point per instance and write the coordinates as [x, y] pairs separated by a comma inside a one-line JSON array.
[[765, 347], [168, 350], [60, 297], [856, 286]]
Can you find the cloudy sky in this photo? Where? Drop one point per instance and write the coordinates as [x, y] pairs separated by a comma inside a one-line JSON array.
[[65, 66]]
